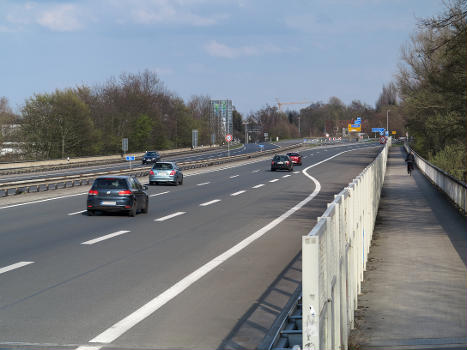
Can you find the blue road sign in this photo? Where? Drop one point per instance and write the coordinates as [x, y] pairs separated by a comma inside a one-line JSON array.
[[130, 157], [377, 129]]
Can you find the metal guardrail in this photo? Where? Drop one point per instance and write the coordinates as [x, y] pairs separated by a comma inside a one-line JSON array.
[[456, 190], [27, 186]]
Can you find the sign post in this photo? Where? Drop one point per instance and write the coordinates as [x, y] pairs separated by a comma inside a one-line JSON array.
[[130, 158], [228, 139], [124, 145]]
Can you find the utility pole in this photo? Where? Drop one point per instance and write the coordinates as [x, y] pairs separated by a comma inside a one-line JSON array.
[[246, 131], [299, 132], [387, 121]]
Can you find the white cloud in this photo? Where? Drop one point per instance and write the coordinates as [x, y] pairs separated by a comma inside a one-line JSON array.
[[56, 17], [166, 12], [217, 49], [62, 18]]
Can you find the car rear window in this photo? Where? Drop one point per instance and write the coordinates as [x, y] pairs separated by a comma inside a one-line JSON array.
[[294, 154], [151, 154], [162, 166], [281, 158], [110, 183]]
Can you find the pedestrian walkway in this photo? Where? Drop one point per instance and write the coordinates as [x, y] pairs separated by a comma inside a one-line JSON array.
[[414, 290]]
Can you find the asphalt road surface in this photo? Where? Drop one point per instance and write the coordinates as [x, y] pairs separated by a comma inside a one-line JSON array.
[[185, 276]]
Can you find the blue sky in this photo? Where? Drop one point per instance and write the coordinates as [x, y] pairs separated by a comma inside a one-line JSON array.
[[249, 51]]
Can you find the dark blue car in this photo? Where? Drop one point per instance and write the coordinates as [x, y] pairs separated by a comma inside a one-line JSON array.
[[150, 157]]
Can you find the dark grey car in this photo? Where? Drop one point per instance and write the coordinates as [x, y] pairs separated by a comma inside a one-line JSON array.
[[117, 193]]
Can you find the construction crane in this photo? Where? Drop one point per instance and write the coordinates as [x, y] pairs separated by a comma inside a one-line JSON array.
[[280, 104]]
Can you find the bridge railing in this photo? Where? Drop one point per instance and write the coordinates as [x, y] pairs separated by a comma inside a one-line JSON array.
[[334, 256], [454, 189]]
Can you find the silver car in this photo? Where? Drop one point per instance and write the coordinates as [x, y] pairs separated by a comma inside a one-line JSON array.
[[165, 172]]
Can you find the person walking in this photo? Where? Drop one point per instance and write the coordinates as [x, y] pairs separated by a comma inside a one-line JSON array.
[[410, 159]]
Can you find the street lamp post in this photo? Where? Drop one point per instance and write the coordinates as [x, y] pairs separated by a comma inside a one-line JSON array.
[[387, 121]]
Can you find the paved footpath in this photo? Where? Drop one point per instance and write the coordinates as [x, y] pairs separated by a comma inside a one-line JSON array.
[[414, 289]]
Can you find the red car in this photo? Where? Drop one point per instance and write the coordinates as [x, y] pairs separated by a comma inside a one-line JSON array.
[[296, 158]]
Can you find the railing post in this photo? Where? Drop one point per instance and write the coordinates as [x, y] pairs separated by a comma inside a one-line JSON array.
[[310, 293]]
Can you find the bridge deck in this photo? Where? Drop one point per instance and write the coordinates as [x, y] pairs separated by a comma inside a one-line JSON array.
[[415, 287]]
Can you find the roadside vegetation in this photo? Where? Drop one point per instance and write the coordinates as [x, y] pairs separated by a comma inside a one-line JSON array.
[[432, 85]]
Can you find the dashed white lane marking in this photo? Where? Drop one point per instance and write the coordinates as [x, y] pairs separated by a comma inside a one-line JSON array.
[[77, 212], [209, 203], [258, 186], [273, 180], [233, 176], [170, 216], [237, 193], [15, 266], [103, 238], [286, 175], [256, 171], [153, 305], [159, 194], [90, 347], [296, 172], [203, 184]]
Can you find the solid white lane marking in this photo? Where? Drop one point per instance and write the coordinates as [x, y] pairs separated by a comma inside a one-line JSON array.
[[273, 180], [42, 200], [15, 266], [103, 238], [237, 193], [233, 176], [152, 306], [256, 171], [170, 216], [258, 186], [209, 203], [203, 184], [158, 194], [77, 212], [286, 175]]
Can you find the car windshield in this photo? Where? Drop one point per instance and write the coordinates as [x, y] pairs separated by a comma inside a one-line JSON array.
[[162, 166], [151, 154], [110, 183]]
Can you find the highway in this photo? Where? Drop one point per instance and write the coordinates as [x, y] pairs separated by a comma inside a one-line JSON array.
[[184, 276]]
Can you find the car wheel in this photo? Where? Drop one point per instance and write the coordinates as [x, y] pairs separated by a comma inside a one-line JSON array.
[[145, 210], [176, 182], [181, 181], [272, 169], [132, 212], [91, 212]]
